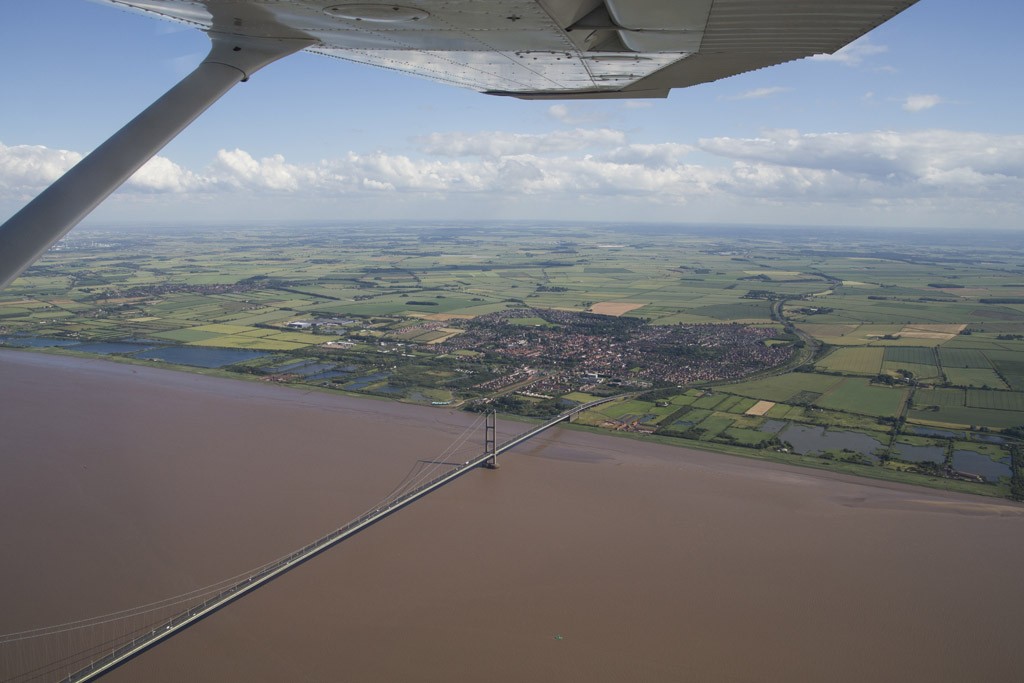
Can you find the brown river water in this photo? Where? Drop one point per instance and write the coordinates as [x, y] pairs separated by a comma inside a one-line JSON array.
[[584, 558]]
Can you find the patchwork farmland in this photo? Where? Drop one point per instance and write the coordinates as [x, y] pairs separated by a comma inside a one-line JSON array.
[[859, 354]]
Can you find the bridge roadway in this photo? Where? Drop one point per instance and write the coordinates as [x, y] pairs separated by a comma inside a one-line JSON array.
[[267, 574]]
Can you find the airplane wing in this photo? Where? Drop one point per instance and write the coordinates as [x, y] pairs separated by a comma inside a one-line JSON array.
[[555, 49], [540, 49]]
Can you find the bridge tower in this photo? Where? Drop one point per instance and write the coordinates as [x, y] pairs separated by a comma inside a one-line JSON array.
[[490, 421]]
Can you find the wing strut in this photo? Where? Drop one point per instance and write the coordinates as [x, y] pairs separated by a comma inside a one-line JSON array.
[[48, 217]]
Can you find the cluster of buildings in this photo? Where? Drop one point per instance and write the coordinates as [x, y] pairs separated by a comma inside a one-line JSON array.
[[499, 383], [590, 348]]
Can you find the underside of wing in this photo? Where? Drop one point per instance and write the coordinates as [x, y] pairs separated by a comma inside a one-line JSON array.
[[550, 48], [553, 49]]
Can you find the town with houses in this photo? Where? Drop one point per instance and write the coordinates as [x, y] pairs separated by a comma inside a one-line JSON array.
[[543, 354]]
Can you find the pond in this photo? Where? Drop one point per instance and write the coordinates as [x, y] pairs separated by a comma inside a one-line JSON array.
[[908, 453], [807, 440], [329, 374], [199, 356], [976, 463], [292, 366], [988, 438], [772, 426], [933, 431]]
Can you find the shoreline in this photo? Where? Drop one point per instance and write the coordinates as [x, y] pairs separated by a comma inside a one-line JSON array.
[[857, 473], [124, 484]]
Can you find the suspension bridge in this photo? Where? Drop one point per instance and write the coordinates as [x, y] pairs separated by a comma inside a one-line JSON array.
[[84, 650]]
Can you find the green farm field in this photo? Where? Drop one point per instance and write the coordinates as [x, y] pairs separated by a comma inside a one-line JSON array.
[[784, 388], [974, 377], [854, 360], [858, 396], [881, 329]]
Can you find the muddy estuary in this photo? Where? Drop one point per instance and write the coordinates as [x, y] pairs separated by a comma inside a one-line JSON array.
[[584, 558]]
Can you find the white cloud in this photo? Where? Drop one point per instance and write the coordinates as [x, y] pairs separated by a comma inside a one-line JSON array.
[[937, 173], [239, 169], [404, 174], [560, 112], [759, 93], [160, 175], [637, 104], [653, 155], [921, 102], [853, 54], [25, 169], [577, 114], [593, 177], [498, 143], [907, 163]]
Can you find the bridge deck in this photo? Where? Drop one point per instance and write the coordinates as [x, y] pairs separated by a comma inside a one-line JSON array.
[[269, 573]]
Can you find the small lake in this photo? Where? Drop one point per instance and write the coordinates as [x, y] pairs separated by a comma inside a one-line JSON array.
[[976, 463], [933, 431], [200, 357], [936, 454], [988, 438], [772, 426], [808, 440], [329, 374], [292, 366]]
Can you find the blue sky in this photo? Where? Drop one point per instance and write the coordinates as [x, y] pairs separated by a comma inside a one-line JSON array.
[[919, 124]]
